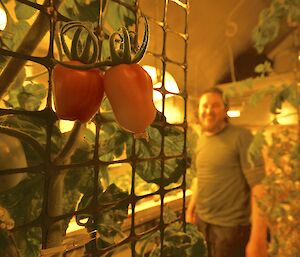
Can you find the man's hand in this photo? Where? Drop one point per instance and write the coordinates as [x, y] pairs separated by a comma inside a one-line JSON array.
[[257, 248], [190, 213], [257, 245], [190, 216]]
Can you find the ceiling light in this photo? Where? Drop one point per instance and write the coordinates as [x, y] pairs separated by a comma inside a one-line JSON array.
[[155, 74], [234, 113], [3, 19], [172, 111]]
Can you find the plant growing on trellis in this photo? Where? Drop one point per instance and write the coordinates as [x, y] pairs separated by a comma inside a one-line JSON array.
[[65, 171], [281, 144]]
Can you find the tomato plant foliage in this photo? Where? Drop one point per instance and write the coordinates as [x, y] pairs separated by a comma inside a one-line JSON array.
[[78, 182]]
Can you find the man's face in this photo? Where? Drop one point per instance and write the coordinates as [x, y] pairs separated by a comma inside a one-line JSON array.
[[212, 112]]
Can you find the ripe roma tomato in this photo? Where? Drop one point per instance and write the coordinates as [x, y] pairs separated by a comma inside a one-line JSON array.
[[77, 93], [129, 90]]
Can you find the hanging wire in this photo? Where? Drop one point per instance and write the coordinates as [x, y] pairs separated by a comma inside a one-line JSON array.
[[230, 32]]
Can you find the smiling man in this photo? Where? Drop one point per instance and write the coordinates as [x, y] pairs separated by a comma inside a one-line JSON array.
[[223, 206]]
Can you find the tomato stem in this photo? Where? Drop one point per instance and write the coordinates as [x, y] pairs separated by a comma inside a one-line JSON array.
[[69, 147], [86, 51], [100, 65], [142, 50], [117, 55], [80, 51], [126, 51], [65, 47], [126, 46], [75, 45]]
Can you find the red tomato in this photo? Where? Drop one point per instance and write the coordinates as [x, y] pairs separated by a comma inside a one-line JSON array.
[[129, 90], [77, 93]]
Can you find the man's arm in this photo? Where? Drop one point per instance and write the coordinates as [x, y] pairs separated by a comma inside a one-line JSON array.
[[190, 212], [257, 245]]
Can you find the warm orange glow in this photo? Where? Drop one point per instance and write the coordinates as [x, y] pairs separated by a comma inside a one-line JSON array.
[[170, 83], [172, 111], [288, 115], [3, 19], [234, 113]]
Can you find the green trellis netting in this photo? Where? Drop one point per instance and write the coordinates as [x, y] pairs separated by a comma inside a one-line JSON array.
[[51, 177]]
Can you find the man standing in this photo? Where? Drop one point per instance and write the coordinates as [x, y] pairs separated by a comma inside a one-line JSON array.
[[224, 202]]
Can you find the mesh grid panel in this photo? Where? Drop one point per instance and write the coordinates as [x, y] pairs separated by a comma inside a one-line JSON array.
[[56, 164]]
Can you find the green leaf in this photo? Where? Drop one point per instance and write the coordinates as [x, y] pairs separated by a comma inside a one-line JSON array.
[[3, 59], [105, 105], [245, 85], [255, 149], [174, 141], [112, 195], [259, 68], [290, 94], [112, 141], [177, 243], [198, 242], [16, 32], [115, 16], [230, 91], [15, 89], [88, 135], [295, 153], [271, 18], [275, 122], [80, 10], [267, 30], [293, 13], [18, 203], [37, 90], [23, 208], [33, 239], [276, 104], [109, 220], [259, 95], [150, 170], [28, 102], [287, 93], [264, 68], [23, 11], [36, 128], [80, 180], [19, 80], [28, 97], [3, 241]]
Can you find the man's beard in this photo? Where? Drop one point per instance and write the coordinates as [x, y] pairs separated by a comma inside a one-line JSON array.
[[212, 128]]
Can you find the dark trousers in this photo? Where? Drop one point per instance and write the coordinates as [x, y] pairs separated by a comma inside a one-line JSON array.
[[224, 241]]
